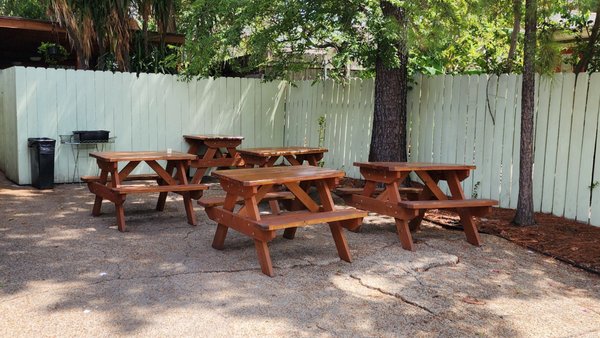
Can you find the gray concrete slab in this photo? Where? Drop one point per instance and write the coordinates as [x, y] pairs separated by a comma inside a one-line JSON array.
[[65, 273]]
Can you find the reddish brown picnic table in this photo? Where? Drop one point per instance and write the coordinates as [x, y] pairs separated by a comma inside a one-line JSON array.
[[109, 185], [213, 151], [389, 201], [252, 185], [266, 157]]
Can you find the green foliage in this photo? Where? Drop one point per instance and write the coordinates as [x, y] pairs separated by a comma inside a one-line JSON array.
[[279, 37], [322, 122], [53, 53], [577, 25], [154, 59], [30, 9]]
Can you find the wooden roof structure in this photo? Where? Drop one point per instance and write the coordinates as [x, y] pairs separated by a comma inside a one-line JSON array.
[[20, 39]]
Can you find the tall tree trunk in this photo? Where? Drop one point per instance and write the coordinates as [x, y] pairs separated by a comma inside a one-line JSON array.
[[514, 36], [524, 215], [591, 45], [388, 139]]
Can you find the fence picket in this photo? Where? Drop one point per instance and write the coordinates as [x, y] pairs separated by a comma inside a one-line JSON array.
[[488, 136], [575, 148], [593, 187], [516, 155], [508, 139], [500, 114], [541, 134], [470, 130], [551, 143], [480, 118], [564, 135]]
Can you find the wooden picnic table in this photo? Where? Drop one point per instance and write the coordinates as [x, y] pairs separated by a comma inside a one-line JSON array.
[[213, 151], [266, 157], [408, 214], [109, 185], [252, 185]]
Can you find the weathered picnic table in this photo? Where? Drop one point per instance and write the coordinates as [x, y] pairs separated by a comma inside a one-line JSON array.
[[109, 185], [213, 151], [266, 157], [252, 185], [389, 201]]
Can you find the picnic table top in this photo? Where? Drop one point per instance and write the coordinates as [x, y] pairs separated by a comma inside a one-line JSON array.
[[413, 166], [117, 156], [204, 137], [277, 175], [281, 151]]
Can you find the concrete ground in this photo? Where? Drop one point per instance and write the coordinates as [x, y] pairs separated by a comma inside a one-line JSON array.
[[65, 273]]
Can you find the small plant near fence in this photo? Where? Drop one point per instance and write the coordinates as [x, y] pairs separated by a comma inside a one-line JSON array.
[[475, 192], [53, 53], [322, 127]]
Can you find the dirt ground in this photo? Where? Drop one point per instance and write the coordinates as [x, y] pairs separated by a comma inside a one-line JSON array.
[[65, 273]]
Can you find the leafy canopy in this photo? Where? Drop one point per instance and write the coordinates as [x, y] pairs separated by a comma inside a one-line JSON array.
[[283, 36]]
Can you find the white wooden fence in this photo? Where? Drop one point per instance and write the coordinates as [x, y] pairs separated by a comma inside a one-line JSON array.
[[461, 119], [473, 119], [149, 112]]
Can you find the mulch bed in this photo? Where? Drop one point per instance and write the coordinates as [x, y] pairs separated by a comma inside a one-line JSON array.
[[569, 241]]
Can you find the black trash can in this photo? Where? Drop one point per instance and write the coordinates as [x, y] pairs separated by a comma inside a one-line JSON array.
[[41, 154]]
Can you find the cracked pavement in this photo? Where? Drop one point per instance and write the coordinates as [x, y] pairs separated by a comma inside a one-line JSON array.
[[65, 273]]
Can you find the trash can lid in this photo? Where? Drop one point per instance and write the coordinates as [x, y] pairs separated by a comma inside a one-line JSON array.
[[40, 140]]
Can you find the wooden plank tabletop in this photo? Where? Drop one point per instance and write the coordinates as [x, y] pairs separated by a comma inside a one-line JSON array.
[[277, 175], [118, 156], [413, 166], [205, 137], [282, 151]]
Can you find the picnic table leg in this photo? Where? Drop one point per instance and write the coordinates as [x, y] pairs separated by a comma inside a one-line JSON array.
[[340, 241], [264, 257], [219, 239], [465, 216], [115, 183], [120, 211], [415, 223], [337, 231], [289, 233], [98, 201], [426, 194], [187, 200], [402, 229], [162, 197]]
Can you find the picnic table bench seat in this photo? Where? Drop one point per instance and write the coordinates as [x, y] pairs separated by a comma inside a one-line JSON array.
[[215, 201], [349, 191], [476, 207], [134, 189], [348, 218], [448, 204], [139, 177]]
